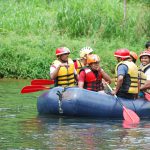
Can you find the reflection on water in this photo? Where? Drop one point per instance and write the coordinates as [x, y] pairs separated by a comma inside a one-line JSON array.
[[67, 133], [22, 128]]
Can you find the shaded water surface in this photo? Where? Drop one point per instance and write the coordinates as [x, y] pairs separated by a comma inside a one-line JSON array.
[[22, 129]]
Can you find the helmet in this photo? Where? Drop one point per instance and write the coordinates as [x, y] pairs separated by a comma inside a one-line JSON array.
[[144, 53], [122, 53], [92, 58], [85, 50], [134, 55], [62, 50]]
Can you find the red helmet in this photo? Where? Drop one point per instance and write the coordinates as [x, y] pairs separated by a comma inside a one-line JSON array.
[[122, 53], [144, 53], [62, 50]]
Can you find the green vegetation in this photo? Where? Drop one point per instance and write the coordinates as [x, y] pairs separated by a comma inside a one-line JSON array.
[[30, 31]]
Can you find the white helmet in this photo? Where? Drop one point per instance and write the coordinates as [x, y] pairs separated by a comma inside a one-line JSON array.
[[85, 50]]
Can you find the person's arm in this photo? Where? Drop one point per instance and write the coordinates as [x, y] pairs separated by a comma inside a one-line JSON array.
[[54, 72], [119, 84], [81, 79], [147, 83], [145, 86], [121, 72], [106, 77], [80, 84], [76, 75], [55, 69]]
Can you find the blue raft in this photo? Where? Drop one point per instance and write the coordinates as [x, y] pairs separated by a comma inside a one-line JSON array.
[[83, 103]]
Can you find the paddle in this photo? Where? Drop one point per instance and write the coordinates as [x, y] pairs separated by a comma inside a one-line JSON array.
[[42, 82], [129, 115], [147, 96], [33, 88], [127, 125]]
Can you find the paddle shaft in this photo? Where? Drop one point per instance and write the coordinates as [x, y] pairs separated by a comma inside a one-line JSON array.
[[42, 82], [114, 95], [128, 114], [118, 100], [111, 91], [121, 104]]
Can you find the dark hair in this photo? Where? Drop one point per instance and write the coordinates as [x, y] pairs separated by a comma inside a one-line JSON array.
[[133, 59], [147, 44]]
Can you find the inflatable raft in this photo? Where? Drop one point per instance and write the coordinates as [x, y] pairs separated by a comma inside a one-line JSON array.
[[83, 103]]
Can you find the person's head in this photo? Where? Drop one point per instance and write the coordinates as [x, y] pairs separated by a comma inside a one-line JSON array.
[[85, 51], [93, 61], [145, 58], [62, 53], [122, 54], [147, 45], [83, 54], [133, 56]]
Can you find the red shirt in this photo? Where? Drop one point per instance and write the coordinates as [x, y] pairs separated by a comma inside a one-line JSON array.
[[81, 76]]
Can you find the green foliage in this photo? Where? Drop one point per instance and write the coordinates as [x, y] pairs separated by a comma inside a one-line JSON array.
[[104, 18], [30, 31], [145, 2], [23, 65], [75, 19]]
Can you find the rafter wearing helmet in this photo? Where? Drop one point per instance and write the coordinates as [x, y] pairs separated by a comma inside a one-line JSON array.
[[144, 72], [126, 73], [62, 69], [82, 61], [133, 56], [90, 77], [147, 45]]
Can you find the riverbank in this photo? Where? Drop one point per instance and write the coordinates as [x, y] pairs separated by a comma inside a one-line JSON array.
[[32, 30]]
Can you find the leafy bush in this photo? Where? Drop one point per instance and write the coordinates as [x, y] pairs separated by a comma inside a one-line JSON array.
[[32, 30]]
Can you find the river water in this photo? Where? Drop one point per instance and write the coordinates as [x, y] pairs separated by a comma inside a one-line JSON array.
[[22, 129]]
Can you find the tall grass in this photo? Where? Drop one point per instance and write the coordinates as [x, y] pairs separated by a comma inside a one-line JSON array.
[[105, 18], [30, 31]]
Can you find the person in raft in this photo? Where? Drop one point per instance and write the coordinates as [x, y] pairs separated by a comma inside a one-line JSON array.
[[90, 77], [144, 73], [147, 46], [133, 56], [62, 69], [126, 72], [82, 61]]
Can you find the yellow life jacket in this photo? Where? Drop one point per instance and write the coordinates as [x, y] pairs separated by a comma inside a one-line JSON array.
[[130, 81], [65, 75], [78, 65], [142, 76]]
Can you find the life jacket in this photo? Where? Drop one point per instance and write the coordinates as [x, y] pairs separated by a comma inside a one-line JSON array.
[[92, 81], [78, 65], [65, 75], [130, 81], [142, 76]]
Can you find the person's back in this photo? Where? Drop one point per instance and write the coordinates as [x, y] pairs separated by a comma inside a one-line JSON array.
[[126, 75], [129, 71], [62, 69]]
